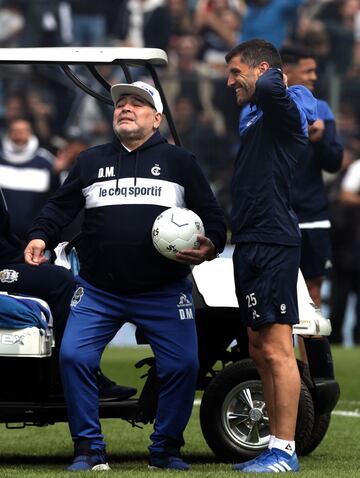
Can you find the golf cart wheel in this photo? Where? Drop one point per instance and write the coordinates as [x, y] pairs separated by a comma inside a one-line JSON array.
[[321, 425], [233, 415]]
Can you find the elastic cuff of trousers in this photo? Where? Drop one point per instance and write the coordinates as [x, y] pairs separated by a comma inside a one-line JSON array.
[[172, 449], [87, 444]]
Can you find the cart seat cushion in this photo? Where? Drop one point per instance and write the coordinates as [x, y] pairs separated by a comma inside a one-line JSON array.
[[20, 311]]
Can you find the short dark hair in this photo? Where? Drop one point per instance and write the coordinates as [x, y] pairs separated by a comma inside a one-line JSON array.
[[253, 52], [292, 54]]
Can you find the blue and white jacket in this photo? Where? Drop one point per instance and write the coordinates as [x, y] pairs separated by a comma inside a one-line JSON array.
[[273, 136], [308, 195], [122, 193], [28, 180]]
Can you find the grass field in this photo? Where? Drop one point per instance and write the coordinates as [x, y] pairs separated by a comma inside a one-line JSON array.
[[45, 452]]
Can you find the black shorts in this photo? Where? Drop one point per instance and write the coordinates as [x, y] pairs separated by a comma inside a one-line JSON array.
[[266, 283], [316, 254]]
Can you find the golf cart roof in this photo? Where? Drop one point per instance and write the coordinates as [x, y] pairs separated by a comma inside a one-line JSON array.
[[126, 58], [83, 55]]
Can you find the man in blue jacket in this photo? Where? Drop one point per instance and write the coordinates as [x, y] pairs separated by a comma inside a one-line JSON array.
[[309, 198], [265, 231], [123, 186], [273, 20]]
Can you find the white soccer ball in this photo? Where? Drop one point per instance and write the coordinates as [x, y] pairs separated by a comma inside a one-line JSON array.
[[176, 229]]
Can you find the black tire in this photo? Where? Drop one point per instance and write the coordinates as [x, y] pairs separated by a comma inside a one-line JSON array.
[[305, 419], [321, 426], [237, 390]]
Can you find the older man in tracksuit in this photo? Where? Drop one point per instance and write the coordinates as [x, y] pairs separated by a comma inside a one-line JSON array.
[[123, 186]]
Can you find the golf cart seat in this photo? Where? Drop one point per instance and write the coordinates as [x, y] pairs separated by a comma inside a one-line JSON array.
[[25, 327]]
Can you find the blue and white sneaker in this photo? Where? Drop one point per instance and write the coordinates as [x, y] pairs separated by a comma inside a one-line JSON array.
[[277, 461], [244, 464], [167, 462], [86, 459]]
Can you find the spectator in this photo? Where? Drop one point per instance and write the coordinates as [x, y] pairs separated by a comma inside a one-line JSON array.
[[338, 17], [270, 19], [181, 20], [186, 77], [348, 125], [350, 186], [12, 24], [217, 23], [64, 160], [149, 24], [41, 112], [89, 22], [15, 106], [199, 138], [314, 36], [345, 238], [67, 154], [47, 23], [309, 199], [350, 196], [26, 175]]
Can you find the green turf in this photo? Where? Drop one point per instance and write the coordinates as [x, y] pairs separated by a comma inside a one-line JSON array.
[[45, 452]]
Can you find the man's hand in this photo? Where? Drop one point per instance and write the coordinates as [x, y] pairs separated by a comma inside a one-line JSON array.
[[316, 130], [285, 79], [205, 252], [34, 252]]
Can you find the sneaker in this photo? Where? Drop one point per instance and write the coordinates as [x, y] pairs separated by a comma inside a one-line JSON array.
[[109, 390], [241, 466], [274, 462], [90, 460], [167, 462]]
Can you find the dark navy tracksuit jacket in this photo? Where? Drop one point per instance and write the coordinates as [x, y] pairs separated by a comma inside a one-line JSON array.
[[122, 193], [273, 136]]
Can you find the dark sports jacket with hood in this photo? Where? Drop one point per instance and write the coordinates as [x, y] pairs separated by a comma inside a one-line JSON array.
[[122, 193], [273, 135]]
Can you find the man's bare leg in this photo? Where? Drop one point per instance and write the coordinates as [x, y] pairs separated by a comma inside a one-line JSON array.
[[278, 352], [265, 375]]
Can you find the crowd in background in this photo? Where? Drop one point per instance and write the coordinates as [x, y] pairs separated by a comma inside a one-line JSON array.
[[196, 34]]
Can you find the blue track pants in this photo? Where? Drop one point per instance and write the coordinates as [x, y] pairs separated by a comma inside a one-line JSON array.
[[166, 319]]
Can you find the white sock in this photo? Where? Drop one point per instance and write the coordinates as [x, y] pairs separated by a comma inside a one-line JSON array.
[[271, 440], [285, 445]]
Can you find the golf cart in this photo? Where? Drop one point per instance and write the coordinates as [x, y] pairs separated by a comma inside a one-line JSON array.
[[233, 413]]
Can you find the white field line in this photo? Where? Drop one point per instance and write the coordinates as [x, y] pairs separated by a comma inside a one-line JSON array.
[[340, 413], [343, 413]]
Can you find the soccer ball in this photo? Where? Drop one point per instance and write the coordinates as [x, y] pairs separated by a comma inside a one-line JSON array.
[[176, 229]]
